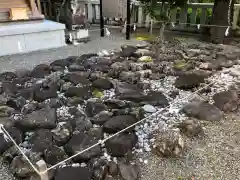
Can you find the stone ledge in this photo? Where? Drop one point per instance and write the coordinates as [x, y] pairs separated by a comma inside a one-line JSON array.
[[30, 27]]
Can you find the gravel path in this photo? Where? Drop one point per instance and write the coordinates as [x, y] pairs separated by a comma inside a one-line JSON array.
[[29, 60], [216, 156]]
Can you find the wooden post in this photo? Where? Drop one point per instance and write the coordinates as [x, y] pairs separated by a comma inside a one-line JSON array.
[[42, 167], [101, 20], [128, 19], [39, 6]]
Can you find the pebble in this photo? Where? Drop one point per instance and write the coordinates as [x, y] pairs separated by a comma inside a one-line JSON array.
[[149, 108]]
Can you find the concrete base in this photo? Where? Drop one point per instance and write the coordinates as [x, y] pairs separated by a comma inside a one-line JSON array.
[[30, 36]]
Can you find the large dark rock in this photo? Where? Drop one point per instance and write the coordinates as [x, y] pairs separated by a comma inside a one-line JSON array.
[[203, 111], [128, 50], [16, 103], [101, 117], [62, 133], [116, 104], [121, 144], [21, 73], [156, 99], [79, 142], [117, 123], [125, 88], [5, 142], [82, 92], [77, 78], [129, 171], [7, 76], [40, 71], [61, 62], [227, 100], [85, 57], [6, 111], [81, 123], [21, 167], [94, 107], [9, 88], [75, 67], [54, 155], [73, 173], [153, 98], [41, 140], [189, 81], [101, 83], [43, 118], [41, 94]]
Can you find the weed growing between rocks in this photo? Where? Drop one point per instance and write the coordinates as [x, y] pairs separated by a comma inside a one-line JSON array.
[[58, 110]]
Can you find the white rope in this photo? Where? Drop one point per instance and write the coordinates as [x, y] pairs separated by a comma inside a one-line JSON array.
[[10, 137], [104, 140]]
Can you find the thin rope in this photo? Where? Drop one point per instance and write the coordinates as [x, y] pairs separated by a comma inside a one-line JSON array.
[[168, 22], [28, 160], [102, 141]]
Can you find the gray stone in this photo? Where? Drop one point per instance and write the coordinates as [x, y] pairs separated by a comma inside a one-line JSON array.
[[117, 123], [121, 144], [226, 100], [149, 108], [203, 111], [78, 143], [73, 173], [43, 118], [129, 171]]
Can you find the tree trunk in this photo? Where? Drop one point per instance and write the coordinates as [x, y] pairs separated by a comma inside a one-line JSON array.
[[221, 18]]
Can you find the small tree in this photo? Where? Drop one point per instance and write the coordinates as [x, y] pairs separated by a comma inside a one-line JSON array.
[[221, 18], [151, 8]]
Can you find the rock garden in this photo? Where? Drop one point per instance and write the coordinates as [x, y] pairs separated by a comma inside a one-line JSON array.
[[158, 100]]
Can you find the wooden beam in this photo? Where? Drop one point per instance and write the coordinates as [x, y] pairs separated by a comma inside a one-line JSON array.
[[39, 6]]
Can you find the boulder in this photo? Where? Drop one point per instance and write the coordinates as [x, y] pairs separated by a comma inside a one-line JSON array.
[[226, 100], [41, 94], [41, 140], [169, 143], [203, 111], [75, 67], [126, 88], [117, 123], [43, 118], [40, 71], [54, 155], [101, 117], [78, 143], [82, 92], [128, 50], [121, 144], [190, 128], [189, 81], [76, 78], [6, 143], [73, 173], [102, 83], [129, 171], [94, 107], [9, 88], [62, 133], [21, 167], [7, 76]]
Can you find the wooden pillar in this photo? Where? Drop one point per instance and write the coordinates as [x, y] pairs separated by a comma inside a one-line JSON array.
[[128, 19], [34, 9], [101, 20]]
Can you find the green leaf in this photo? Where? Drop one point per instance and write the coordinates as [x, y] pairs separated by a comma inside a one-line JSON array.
[[97, 93]]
